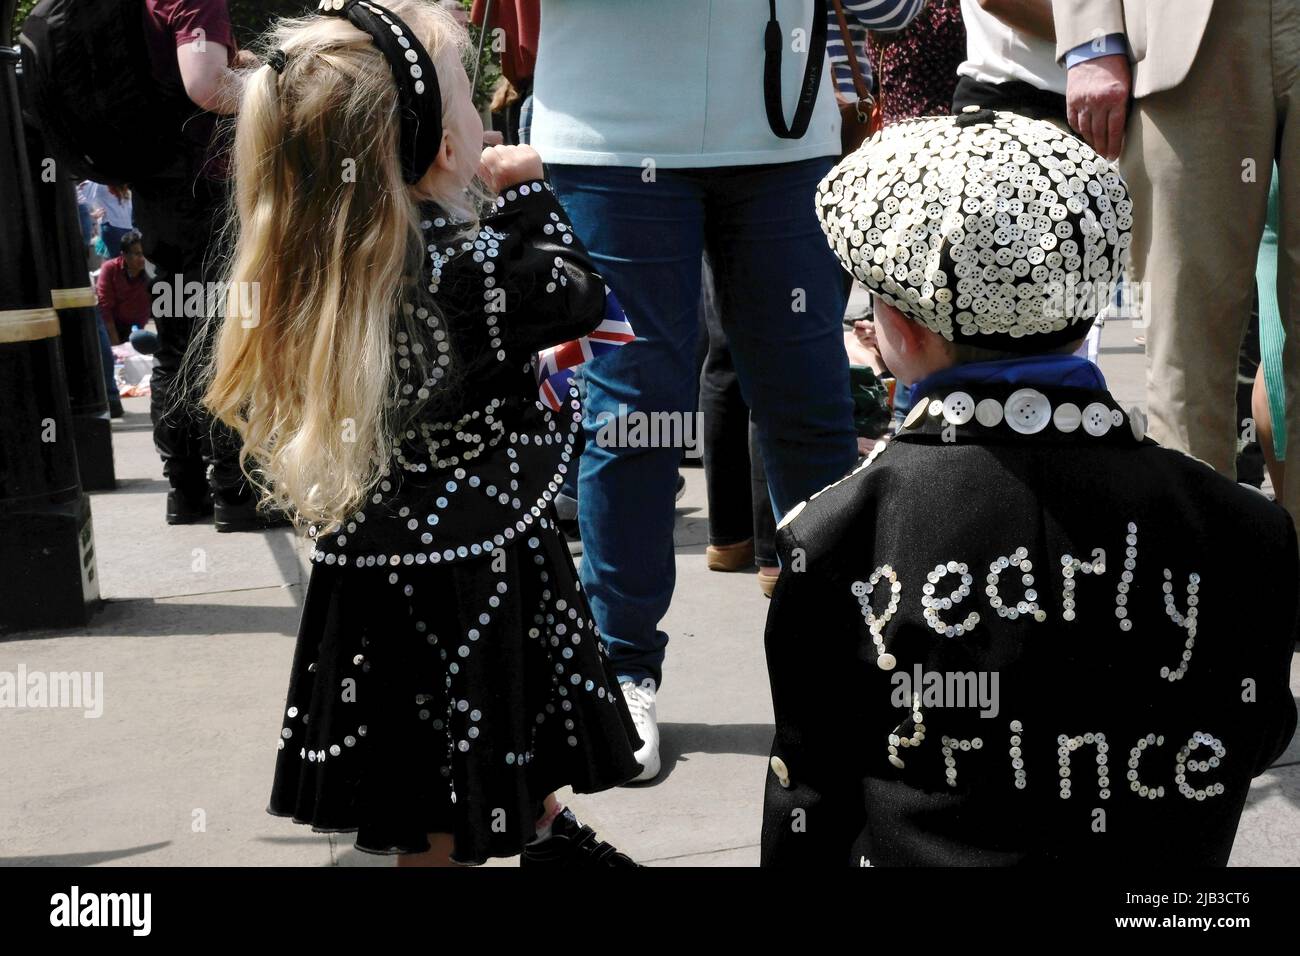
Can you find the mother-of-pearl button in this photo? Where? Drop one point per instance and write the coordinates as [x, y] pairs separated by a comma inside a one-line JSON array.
[[958, 408], [782, 772], [1067, 417], [886, 661], [1096, 419], [1027, 411], [989, 412], [896, 761], [916, 414], [792, 514], [936, 407], [1138, 422]]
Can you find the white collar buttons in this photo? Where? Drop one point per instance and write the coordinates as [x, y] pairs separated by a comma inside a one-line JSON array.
[[1027, 411], [916, 414], [958, 408], [1138, 422], [1096, 419], [989, 413], [1067, 417]]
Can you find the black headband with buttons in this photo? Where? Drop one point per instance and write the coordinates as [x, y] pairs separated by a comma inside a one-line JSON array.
[[419, 99]]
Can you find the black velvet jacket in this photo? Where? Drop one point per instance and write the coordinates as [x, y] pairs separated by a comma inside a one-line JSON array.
[[1090, 639]]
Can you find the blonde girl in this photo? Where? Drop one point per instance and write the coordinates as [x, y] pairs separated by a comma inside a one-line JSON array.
[[448, 676]]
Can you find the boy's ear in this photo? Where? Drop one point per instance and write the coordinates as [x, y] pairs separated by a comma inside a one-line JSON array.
[[904, 333], [916, 338]]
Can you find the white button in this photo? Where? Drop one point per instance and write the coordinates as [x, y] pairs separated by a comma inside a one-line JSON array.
[[792, 514], [782, 773], [958, 408], [936, 407], [1138, 422], [886, 662], [915, 415], [896, 761], [1096, 419], [1067, 417], [1116, 417], [989, 412], [1028, 411]]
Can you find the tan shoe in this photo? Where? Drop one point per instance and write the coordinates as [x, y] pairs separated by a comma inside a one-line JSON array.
[[730, 557], [767, 578]]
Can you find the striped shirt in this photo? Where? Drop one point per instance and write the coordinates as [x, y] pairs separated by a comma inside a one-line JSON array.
[[885, 16]]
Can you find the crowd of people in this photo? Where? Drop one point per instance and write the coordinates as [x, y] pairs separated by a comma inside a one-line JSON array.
[[1026, 168]]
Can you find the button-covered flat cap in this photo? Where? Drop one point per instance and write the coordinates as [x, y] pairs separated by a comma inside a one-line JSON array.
[[988, 228]]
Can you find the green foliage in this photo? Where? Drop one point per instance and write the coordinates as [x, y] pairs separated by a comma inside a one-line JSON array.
[[20, 14], [489, 68], [252, 17]]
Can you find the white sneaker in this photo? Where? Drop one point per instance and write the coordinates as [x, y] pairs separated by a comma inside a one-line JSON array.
[[641, 705]]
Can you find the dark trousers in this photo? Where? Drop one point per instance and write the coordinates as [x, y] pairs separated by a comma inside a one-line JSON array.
[[179, 221], [739, 504], [188, 439]]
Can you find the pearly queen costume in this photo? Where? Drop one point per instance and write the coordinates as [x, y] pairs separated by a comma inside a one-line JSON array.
[[1021, 632], [448, 674]]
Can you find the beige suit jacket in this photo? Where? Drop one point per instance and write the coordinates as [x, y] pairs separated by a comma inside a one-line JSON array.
[[1163, 35]]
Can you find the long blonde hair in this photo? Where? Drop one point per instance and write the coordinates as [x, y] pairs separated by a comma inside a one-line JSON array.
[[326, 252]]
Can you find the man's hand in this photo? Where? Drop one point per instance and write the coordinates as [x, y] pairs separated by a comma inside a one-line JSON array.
[[504, 166], [1096, 97]]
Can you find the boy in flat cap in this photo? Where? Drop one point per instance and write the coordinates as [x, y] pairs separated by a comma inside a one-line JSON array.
[[1021, 632]]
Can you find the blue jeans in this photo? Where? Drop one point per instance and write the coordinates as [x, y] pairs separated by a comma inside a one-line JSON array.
[[781, 299], [526, 120], [106, 356], [87, 223]]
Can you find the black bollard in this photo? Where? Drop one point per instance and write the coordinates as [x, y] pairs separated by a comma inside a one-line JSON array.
[[64, 254], [47, 542]]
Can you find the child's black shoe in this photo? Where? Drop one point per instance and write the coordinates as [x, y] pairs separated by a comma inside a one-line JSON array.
[[573, 844]]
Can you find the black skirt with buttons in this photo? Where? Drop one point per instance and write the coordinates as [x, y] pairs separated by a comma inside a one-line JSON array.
[[449, 698]]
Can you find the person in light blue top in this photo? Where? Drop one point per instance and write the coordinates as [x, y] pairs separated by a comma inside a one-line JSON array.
[[115, 214], [653, 121]]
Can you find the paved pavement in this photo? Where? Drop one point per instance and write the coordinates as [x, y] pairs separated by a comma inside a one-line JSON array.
[[195, 641]]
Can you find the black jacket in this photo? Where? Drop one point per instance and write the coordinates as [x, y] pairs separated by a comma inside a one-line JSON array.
[[482, 458], [1084, 701]]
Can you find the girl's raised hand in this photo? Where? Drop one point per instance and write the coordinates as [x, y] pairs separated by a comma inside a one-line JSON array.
[[503, 166]]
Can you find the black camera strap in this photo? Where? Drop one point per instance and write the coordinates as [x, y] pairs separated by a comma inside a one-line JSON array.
[[773, 41]]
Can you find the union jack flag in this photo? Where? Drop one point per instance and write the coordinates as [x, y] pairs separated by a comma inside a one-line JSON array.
[[555, 365]]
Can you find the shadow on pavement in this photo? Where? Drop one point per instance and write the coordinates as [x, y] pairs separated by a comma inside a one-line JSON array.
[[81, 859], [680, 741]]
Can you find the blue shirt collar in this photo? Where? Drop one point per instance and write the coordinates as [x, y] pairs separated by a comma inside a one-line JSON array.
[[1036, 370]]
